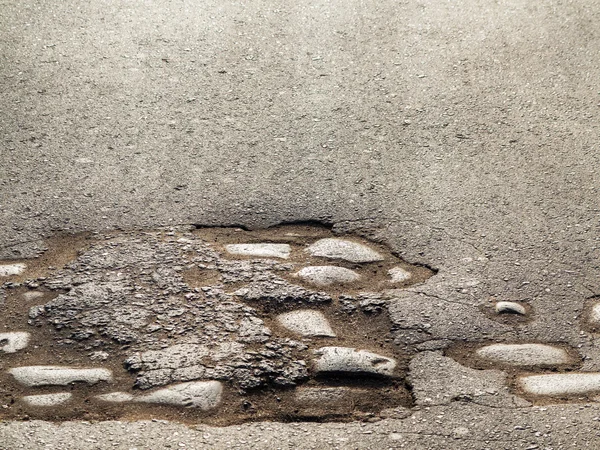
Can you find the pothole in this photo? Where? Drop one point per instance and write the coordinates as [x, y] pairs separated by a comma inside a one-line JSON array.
[[220, 325]]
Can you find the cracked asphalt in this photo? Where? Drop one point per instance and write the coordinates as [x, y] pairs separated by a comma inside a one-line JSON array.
[[463, 135]]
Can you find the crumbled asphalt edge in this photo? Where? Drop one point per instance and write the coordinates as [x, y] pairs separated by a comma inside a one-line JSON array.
[[115, 287]]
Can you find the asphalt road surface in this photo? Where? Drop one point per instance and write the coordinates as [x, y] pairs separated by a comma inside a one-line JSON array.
[[461, 135]]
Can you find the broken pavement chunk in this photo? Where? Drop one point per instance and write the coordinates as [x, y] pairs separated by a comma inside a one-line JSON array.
[[342, 249], [351, 360]]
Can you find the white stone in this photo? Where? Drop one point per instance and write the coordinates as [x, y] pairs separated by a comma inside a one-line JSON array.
[[342, 249], [595, 314], [306, 322], [557, 384], [525, 354], [345, 359], [14, 341], [31, 295], [260, 250], [196, 394], [325, 395], [326, 275], [115, 397], [48, 399], [58, 376], [510, 307], [6, 270], [399, 275]]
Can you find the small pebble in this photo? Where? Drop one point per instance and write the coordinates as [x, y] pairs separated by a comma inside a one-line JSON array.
[[399, 275]]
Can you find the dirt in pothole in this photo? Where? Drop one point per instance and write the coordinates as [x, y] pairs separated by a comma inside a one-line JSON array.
[[357, 312]]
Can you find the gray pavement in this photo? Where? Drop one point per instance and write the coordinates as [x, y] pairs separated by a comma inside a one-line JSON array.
[[463, 135]]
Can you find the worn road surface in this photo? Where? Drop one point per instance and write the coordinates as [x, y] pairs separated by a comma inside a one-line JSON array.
[[454, 139]]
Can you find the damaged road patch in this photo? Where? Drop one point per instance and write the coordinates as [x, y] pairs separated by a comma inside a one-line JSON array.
[[231, 325]]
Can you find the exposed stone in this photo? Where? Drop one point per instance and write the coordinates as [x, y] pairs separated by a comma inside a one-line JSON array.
[[36, 311], [14, 341], [439, 380], [6, 270], [558, 384], [351, 360], [306, 322], [343, 249], [48, 399], [198, 394], [327, 275], [525, 354], [31, 295], [115, 397], [595, 314], [58, 376], [399, 275], [260, 250], [510, 308]]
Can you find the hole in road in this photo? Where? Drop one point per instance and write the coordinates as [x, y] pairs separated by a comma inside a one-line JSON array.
[[213, 324]]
